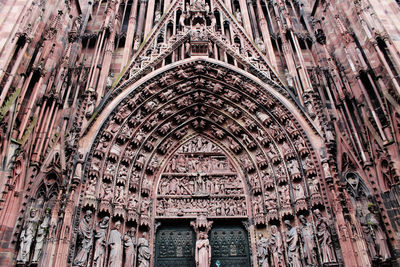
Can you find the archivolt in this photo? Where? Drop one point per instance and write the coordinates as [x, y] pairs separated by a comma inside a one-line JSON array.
[[266, 134]]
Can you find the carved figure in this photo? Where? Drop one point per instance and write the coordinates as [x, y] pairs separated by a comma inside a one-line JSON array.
[[129, 245], [91, 188], [374, 232], [324, 237], [90, 107], [270, 200], [85, 239], [285, 196], [203, 251], [115, 243], [41, 234], [106, 192], [275, 243], [119, 195], [307, 238], [143, 251], [292, 240], [238, 16], [262, 251], [182, 21], [133, 202], [144, 207], [100, 242], [200, 184], [313, 185], [298, 192]]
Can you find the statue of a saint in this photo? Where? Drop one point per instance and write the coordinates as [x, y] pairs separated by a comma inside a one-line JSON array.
[[27, 236], [85, 238], [324, 237], [129, 245], [40, 236], [115, 243], [200, 184], [143, 251], [262, 251], [371, 225], [292, 240], [100, 243], [203, 251], [307, 238], [298, 192], [276, 245]]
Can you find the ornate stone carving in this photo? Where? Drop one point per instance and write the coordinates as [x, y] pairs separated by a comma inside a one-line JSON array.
[[203, 251], [292, 242], [262, 251], [27, 236], [115, 244], [299, 197], [129, 247], [308, 241], [324, 238], [100, 242], [144, 253], [276, 246], [375, 236], [84, 240]]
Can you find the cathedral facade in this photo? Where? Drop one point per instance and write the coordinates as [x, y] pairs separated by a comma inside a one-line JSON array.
[[142, 133]]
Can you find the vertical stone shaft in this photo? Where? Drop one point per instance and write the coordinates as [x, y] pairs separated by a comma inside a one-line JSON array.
[[130, 34]]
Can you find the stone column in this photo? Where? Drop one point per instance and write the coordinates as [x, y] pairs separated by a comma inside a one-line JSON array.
[[130, 34]]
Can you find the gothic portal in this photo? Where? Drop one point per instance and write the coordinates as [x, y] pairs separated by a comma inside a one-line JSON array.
[[199, 133]]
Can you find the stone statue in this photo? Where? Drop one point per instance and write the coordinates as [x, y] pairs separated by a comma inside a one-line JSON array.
[[275, 243], [262, 251], [106, 191], [90, 107], [182, 19], [324, 237], [129, 245], [298, 192], [40, 236], [143, 251], [292, 240], [307, 238], [85, 238], [203, 251], [119, 195], [373, 230], [100, 242], [200, 184], [238, 16], [157, 17], [285, 195], [27, 236], [314, 186], [115, 243]]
